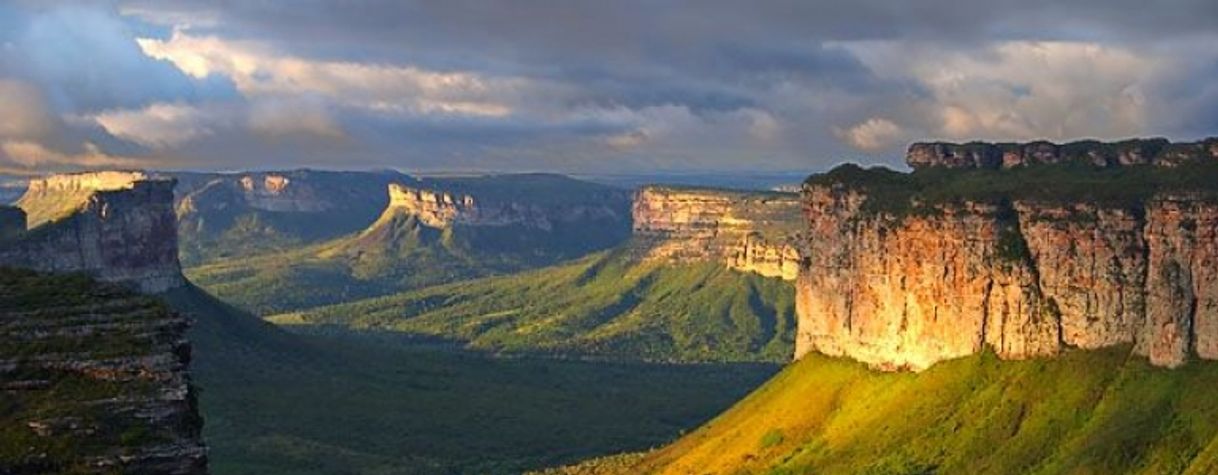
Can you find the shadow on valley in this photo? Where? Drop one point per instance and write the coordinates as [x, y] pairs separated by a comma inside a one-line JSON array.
[[277, 402]]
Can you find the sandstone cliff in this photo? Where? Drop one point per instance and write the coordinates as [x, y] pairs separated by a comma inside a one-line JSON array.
[[118, 227], [752, 232], [93, 379], [983, 155], [896, 280]]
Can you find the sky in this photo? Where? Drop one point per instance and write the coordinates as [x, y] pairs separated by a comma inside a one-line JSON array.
[[623, 86]]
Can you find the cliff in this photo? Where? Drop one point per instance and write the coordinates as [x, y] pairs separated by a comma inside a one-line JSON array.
[[906, 271], [57, 196], [93, 379], [119, 227], [981, 155], [237, 215], [751, 232]]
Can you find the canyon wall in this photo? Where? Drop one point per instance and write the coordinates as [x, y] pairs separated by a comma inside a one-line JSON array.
[[751, 232], [981, 155], [439, 208], [1025, 277], [118, 228]]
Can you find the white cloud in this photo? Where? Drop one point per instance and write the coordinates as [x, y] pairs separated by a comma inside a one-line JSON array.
[[874, 134], [257, 71], [159, 125], [1020, 90]]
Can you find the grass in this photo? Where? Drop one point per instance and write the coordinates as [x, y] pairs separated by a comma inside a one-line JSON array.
[[605, 305], [280, 403], [1086, 412]]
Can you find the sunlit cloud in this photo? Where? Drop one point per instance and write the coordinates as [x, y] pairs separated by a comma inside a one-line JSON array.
[[257, 71], [159, 125]]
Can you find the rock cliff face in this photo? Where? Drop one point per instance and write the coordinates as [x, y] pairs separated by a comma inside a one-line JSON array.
[[93, 380], [12, 222], [1023, 277], [752, 232], [122, 230], [439, 209], [1158, 152]]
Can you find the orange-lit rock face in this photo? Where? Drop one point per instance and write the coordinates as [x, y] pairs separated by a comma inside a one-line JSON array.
[[1026, 279], [747, 232]]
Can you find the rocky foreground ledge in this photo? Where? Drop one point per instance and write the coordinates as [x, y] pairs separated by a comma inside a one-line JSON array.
[[903, 270]]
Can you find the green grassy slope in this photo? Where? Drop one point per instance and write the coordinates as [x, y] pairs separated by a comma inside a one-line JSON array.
[[1099, 412], [607, 304], [280, 403]]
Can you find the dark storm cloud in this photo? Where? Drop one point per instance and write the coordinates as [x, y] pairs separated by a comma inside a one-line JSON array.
[[606, 86]]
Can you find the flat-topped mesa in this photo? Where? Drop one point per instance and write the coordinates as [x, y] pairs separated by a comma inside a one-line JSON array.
[[56, 196], [983, 155], [437, 209], [122, 231], [747, 231], [1022, 275]]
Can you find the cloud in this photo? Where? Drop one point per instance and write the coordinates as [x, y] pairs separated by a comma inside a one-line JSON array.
[[279, 119], [23, 112], [872, 135], [257, 71], [158, 126], [22, 157]]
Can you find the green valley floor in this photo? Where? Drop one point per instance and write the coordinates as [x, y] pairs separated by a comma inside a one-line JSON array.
[[281, 403]]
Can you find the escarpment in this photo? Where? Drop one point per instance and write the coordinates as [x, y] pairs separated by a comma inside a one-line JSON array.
[[902, 271], [981, 155], [117, 227], [752, 232], [93, 379]]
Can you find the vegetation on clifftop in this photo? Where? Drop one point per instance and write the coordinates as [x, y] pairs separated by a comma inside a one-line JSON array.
[[920, 191]]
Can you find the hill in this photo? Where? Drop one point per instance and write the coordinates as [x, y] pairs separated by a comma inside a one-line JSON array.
[[612, 304], [439, 230], [1097, 411], [280, 403]]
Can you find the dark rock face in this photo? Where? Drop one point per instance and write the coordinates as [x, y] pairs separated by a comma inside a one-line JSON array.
[[93, 379], [981, 155], [12, 222], [126, 235]]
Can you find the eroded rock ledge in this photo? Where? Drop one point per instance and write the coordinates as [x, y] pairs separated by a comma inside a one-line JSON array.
[[984, 155], [117, 227], [747, 231], [1026, 276]]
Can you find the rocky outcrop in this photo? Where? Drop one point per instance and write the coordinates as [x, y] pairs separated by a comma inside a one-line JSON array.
[[57, 196], [120, 231], [440, 209], [94, 380], [980, 155], [12, 222], [752, 232], [905, 288]]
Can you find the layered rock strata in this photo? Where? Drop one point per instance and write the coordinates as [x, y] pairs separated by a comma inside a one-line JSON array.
[[981, 155], [751, 232], [1023, 277], [438, 208], [93, 379], [120, 231]]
